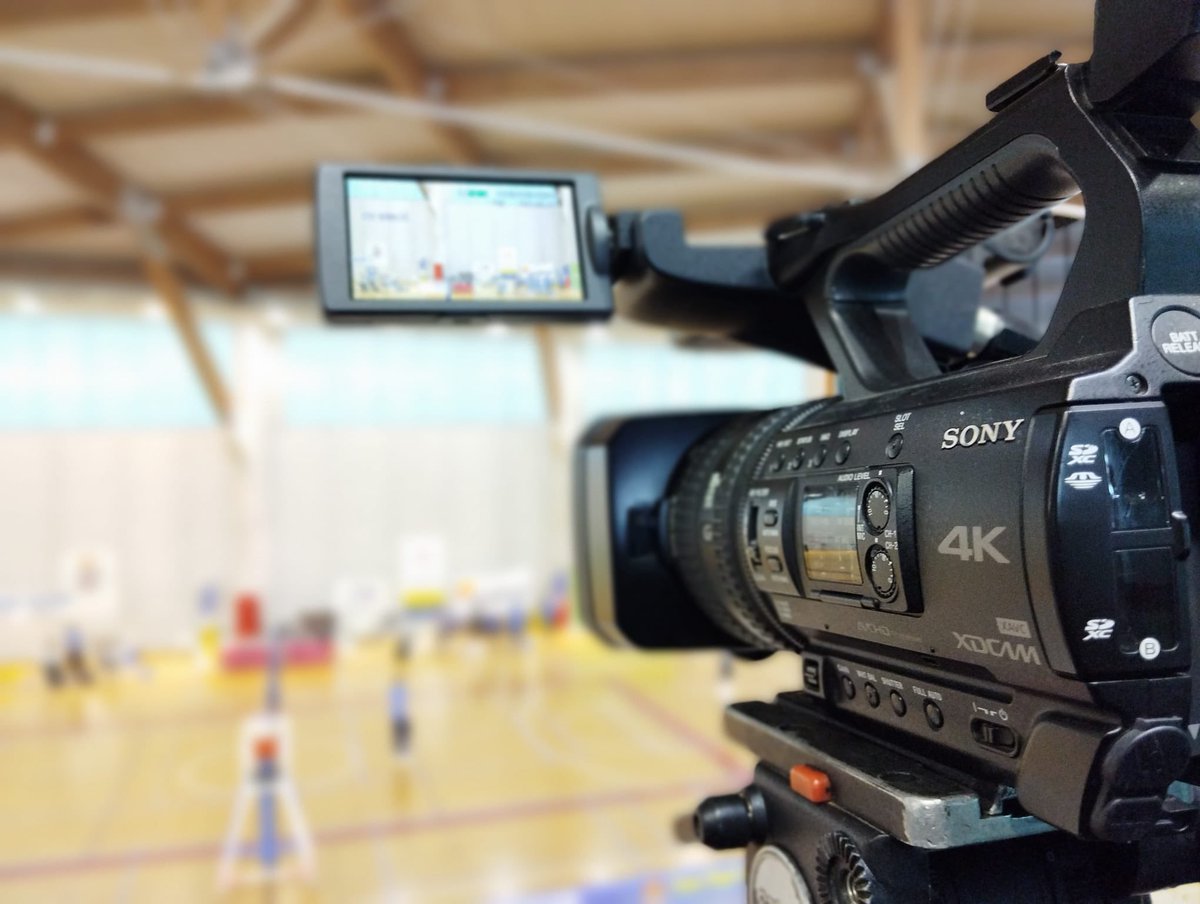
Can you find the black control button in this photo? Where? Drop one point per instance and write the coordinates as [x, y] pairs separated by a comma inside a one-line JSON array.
[[894, 445], [774, 564], [877, 508], [1181, 535], [1176, 335], [843, 452], [770, 518], [899, 707], [794, 463], [881, 571], [933, 715], [995, 736], [1148, 615], [1135, 479], [849, 691], [816, 457], [812, 675], [777, 463], [872, 693]]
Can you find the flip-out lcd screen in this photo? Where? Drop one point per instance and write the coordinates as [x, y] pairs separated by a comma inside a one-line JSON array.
[[458, 241]]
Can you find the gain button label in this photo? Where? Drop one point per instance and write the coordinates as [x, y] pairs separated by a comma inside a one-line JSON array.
[[1176, 335]]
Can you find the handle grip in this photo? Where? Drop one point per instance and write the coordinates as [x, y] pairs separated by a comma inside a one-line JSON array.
[[1013, 184]]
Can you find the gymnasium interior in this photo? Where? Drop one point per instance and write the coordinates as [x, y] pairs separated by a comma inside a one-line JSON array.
[[218, 508]]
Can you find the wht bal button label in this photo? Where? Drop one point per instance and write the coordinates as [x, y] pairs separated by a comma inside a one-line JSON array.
[[1149, 648]]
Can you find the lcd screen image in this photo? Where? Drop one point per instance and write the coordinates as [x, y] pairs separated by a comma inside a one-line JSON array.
[[437, 240], [828, 532]]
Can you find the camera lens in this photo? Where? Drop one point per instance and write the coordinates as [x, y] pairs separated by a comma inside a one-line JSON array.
[[706, 529]]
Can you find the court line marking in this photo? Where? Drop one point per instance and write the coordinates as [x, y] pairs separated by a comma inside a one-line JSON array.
[[387, 827], [59, 867], [656, 712], [428, 692], [553, 743], [189, 774]]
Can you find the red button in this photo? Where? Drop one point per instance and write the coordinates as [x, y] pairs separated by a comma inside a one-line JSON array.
[[810, 783]]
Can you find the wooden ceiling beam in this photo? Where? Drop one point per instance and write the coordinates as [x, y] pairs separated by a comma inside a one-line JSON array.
[[297, 188], [15, 13], [992, 58], [77, 164], [55, 267], [183, 111], [173, 294], [399, 59], [482, 86], [989, 62], [194, 110], [497, 84], [277, 33], [280, 267], [57, 219], [551, 374], [235, 196], [903, 81]]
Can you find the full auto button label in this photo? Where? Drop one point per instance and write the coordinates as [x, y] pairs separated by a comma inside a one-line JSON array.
[[1176, 335]]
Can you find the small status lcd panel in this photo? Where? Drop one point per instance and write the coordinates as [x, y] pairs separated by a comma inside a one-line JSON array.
[[827, 526], [440, 240]]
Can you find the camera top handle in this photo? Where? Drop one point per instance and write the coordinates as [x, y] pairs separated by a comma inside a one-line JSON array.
[[1116, 128]]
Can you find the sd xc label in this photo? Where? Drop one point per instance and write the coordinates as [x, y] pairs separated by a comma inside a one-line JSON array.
[[971, 543]]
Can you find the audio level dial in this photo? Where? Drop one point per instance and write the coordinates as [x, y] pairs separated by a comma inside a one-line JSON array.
[[877, 508], [882, 571]]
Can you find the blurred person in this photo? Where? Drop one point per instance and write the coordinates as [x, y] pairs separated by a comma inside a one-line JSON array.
[[725, 676], [518, 623], [52, 669], [399, 709], [75, 664]]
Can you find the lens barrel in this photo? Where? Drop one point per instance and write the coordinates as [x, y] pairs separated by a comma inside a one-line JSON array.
[[706, 526]]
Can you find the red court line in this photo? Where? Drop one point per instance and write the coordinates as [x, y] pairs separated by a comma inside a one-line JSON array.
[[406, 825], [656, 712], [506, 812]]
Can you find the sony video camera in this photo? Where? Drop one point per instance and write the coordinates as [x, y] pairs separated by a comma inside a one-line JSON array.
[[983, 549]]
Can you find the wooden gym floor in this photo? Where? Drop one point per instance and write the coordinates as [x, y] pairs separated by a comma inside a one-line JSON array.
[[533, 772]]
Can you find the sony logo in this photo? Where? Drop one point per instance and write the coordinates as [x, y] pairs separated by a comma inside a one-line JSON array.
[[1002, 649], [978, 434]]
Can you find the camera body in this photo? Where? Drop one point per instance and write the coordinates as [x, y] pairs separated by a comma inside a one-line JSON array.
[[989, 572], [990, 567]]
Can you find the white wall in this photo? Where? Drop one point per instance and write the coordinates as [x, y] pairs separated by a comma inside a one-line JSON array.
[[343, 497], [339, 499], [381, 433], [157, 499]]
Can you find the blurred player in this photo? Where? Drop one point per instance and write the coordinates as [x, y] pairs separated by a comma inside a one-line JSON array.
[[725, 676], [75, 655], [399, 710]]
